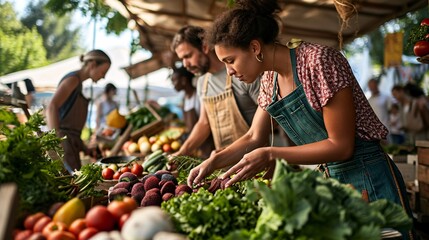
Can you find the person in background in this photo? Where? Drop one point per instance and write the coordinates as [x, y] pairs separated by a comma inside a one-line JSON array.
[[183, 81], [414, 111], [311, 92], [379, 102], [227, 104], [68, 108], [397, 135], [106, 105]]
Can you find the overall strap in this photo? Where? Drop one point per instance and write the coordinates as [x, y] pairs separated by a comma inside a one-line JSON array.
[[293, 61], [274, 97]]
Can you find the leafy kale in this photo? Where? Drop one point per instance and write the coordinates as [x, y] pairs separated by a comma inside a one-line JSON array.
[[304, 205]]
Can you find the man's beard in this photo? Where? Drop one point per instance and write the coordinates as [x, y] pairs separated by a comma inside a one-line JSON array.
[[203, 67]]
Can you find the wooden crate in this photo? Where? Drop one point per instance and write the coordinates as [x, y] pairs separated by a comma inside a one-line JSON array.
[[423, 155], [423, 173], [424, 190], [151, 128]]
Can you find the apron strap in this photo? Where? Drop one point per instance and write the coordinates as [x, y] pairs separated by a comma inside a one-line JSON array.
[[205, 84], [228, 84]]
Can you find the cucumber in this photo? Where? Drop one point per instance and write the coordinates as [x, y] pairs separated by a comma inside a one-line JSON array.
[[153, 159]]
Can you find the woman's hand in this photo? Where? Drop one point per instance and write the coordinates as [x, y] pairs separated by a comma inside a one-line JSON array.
[[251, 164], [197, 174]]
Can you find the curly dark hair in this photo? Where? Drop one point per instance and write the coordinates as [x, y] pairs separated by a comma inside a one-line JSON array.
[[248, 20]]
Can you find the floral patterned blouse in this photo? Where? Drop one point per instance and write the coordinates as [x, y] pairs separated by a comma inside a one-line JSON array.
[[324, 71]]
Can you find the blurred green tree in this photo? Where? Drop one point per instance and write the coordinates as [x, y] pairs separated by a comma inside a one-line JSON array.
[[60, 39], [20, 47]]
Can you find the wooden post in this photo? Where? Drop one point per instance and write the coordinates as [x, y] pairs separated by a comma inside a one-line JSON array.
[[8, 207]]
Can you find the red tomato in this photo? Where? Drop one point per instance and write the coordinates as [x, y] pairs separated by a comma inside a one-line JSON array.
[[117, 175], [41, 224], [123, 219], [424, 22], [166, 147], [87, 233], [77, 226], [125, 169], [107, 173], [32, 219], [421, 48], [37, 236], [61, 235], [23, 234], [137, 169], [120, 207], [100, 218], [52, 227]]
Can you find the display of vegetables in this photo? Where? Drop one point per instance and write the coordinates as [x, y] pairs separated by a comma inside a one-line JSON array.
[[304, 205], [24, 160], [203, 215]]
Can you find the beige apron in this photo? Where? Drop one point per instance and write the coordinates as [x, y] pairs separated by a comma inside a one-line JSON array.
[[226, 122], [71, 126]]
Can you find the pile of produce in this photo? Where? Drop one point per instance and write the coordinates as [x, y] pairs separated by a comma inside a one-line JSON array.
[[203, 215], [304, 205], [419, 37], [24, 160], [140, 118], [151, 190]]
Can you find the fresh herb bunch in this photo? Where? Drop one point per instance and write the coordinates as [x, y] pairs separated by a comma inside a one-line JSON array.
[[203, 215], [304, 205], [184, 164], [24, 161], [417, 33], [85, 181]]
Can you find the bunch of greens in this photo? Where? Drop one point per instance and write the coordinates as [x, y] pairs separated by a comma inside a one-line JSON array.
[[24, 161], [203, 215], [304, 205]]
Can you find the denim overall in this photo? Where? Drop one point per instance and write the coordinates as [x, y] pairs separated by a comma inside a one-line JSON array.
[[369, 170]]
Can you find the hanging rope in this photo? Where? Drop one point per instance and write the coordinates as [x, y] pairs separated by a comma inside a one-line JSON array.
[[346, 10]]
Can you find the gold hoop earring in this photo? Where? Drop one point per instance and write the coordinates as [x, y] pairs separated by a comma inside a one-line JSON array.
[[259, 57]]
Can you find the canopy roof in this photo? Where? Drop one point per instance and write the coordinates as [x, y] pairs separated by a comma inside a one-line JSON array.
[[311, 20]]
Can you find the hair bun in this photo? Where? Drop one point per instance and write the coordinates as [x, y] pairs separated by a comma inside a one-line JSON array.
[[259, 7]]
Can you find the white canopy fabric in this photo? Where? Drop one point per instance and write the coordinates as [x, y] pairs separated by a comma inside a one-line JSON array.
[[48, 77]]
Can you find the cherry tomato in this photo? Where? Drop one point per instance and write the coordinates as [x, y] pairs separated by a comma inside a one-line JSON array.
[[61, 235], [23, 234], [123, 219], [117, 175], [125, 169], [107, 173], [87, 233], [32, 219], [77, 226], [137, 169], [424, 22], [421, 48], [41, 224], [52, 227], [100, 218]]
